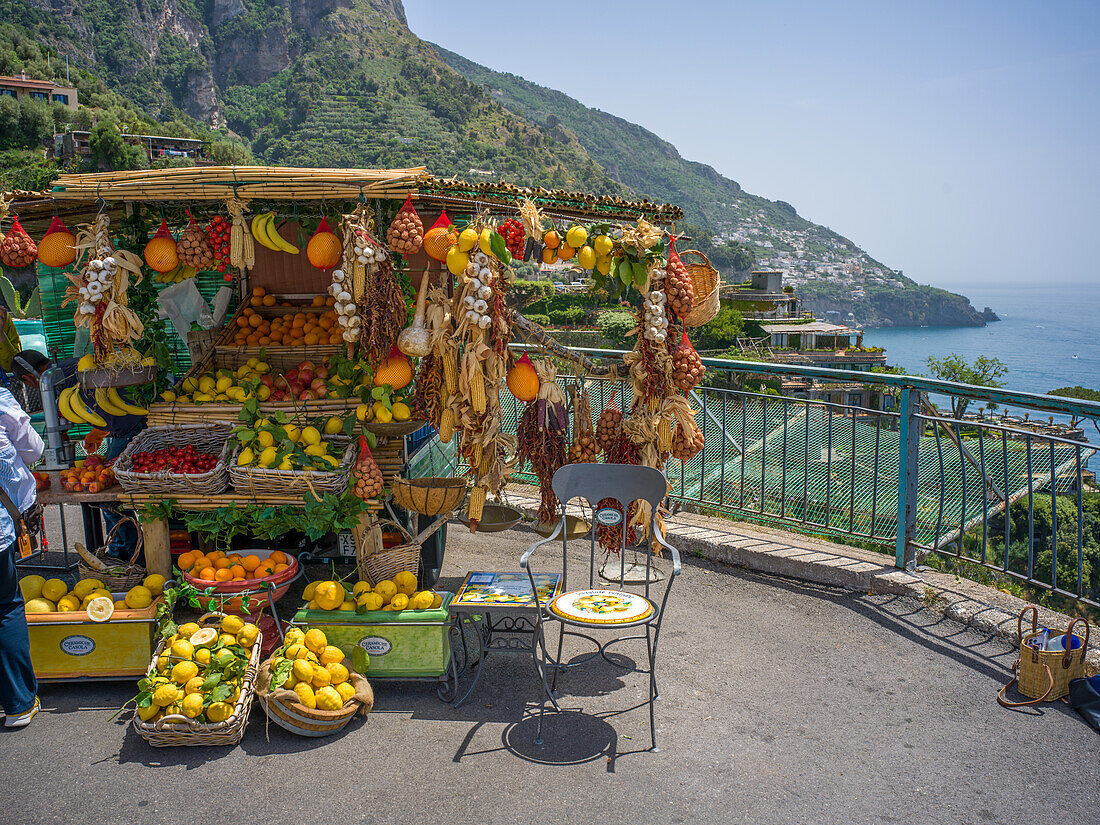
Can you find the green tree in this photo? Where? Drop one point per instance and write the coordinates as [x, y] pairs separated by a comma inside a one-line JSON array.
[[722, 331], [110, 150], [983, 372]]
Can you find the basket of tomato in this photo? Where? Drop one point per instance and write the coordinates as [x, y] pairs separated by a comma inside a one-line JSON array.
[[248, 572], [173, 460]]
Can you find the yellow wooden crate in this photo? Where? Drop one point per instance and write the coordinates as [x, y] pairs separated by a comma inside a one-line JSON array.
[[68, 645]]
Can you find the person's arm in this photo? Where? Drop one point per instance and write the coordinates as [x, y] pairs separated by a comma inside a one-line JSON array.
[[26, 441]]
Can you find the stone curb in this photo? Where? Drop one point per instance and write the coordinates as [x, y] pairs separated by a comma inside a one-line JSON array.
[[791, 555]]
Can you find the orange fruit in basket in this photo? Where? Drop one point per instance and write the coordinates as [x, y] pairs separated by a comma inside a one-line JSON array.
[[222, 575], [242, 321], [259, 291], [207, 574], [250, 562], [265, 569], [278, 556], [254, 321], [185, 560], [279, 568], [269, 300], [235, 558], [222, 563], [237, 571]]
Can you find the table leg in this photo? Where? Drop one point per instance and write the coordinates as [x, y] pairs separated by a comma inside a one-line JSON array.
[[158, 547]]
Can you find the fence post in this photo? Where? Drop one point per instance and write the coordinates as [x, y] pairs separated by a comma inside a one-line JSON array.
[[907, 478]]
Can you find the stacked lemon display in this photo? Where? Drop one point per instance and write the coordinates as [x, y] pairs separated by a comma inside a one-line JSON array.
[[313, 669], [224, 385], [90, 595], [400, 593], [270, 445], [199, 672]]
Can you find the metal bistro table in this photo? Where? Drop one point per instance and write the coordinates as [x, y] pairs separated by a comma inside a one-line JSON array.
[[500, 607]]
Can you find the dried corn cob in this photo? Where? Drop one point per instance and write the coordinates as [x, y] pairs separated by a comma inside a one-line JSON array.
[[477, 505], [446, 425], [477, 392], [664, 434], [450, 372]]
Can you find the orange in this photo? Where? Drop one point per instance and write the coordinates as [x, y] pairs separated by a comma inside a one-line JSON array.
[[318, 301], [235, 558], [222, 575], [264, 341], [279, 568], [299, 319], [279, 557], [330, 301], [222, 563], [254, 321], [185, 560], [335, 338], [256, 302], [269, 300], [237, 571], [310, 340], [251, 562], [551, 240], [565, 252], [207, 574], [242, 321], [259, 291], [265, 569]]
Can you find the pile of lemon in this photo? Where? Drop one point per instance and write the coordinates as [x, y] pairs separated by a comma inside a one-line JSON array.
[[316, 670], [289, 447], [90, 595], [223, 386], [398, 594], [199, 672]]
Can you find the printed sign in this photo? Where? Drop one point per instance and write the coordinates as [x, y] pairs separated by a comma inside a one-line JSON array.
[[609, 516], [77, 645], [375, 645]]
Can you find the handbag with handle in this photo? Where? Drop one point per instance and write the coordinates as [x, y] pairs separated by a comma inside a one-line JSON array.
[[1044, 675], [24, 543]]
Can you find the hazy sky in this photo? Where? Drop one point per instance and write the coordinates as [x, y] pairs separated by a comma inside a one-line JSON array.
[[957, 141]]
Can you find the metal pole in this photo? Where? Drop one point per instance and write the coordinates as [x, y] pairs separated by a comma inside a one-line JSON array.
[[905, 554]]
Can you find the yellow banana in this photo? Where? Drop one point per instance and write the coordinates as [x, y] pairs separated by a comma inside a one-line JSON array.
[[259, 234], [273, 235], [104, 401], [64, 406], [89, 415], [119, 401]]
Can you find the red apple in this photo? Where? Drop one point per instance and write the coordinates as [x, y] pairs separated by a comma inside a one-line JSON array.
[[267, 381], [321, 372], [307, 395], [307, 365], [291, 374], [305, 376]]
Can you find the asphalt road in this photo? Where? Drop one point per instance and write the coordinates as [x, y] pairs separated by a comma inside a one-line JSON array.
[[781, 702]]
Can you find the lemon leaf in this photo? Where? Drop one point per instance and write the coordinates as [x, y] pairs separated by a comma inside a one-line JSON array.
[[280, 673]]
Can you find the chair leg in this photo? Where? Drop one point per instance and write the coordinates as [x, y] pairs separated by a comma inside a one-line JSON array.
[[653, 694], [557, 660]]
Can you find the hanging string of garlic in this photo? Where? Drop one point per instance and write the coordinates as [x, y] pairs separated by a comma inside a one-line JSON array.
[[349, 280], [655, 320], [477, 292]]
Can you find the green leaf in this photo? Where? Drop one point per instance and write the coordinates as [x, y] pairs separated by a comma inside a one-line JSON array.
[[211, 681], [220, 693], [280, 673], [499, 247]]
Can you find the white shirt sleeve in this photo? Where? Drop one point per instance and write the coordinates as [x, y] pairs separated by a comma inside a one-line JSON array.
[[26, 441]]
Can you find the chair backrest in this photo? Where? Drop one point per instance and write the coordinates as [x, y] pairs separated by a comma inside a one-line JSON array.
[[625, 483]]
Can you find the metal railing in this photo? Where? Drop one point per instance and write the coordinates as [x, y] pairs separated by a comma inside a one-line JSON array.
[[1007, 496]]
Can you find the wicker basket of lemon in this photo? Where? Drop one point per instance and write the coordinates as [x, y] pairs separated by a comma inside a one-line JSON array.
[[309, 688], [199, 687]]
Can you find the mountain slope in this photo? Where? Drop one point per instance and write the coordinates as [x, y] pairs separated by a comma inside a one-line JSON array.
[[345, 83]]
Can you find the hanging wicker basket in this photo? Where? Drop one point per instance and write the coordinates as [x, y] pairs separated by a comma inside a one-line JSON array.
[[704, 279], [377, 563], [429, 496]]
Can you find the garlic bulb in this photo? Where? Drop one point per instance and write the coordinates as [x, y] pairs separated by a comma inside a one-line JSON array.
[[480, 307], [485, 293], [485, 322]]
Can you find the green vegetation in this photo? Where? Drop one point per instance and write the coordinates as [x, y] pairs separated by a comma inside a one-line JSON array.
[[983, 372], [615, 324], [721, 333]]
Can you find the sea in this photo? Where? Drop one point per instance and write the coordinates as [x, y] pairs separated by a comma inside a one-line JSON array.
[[1047, 336]]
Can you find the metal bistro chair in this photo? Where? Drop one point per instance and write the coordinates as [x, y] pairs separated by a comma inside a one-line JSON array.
[[598, 608]]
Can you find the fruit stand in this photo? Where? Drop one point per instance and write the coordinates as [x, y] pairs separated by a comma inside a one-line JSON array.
[[364, 310]]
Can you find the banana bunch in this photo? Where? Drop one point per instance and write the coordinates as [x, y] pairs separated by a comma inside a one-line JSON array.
[[267, 235], [181, 273], [108, 399]]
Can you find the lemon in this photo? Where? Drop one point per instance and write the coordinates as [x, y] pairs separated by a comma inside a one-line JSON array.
[[363, 413], [603, 265], [205, 638], [334, 425], [227, 639], [223, 384], [86, 362], [485, 241], [232, 624], [369, 601], [83, 587], [182, 649], [586, 257], [312, 605], [406, 582], [155, 583], [346, 691], [207, 385], [311, 435], [305, 695], [31, 586], [347, 605], [302, 670], [328, 698], [183, 672], [148, 714], [316, 640], [576, 236], [193, 685], [248, 636], [139, 597], [422, 600], [329, 596], [399, 602], [263, 392], [187, 630], [39, 606], [382, 413], [316, 449], [191, 706], [166, 694], [54, 589], [67, 604], [96, 594], [360, 587], [267, 457], [100, 609], [292, 432], [120, 604], [223, 658], [295, 636], [330, 654], [437, 600], [290, 682], [219, 712], [164, 664], [307, 594], [202, 656], [401, 411], [467, 239], [321, 677], [602, 245], [386, 589], [285, 464], [264, 438], [245, 457], [457, 259], [337, 673]]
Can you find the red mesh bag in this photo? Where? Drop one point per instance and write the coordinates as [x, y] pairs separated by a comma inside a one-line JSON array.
[[687, 366], [678, 285], [441, 237], [406, 233], [365, 473], [17, 249]]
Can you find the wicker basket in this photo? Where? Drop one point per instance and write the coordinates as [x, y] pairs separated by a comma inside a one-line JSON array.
[[262, 481], [1044, 675], [297, 718], [133, 575], [176, 729], [203, 437], [704, 279], [429, 496], [392, 429], [376, 563]]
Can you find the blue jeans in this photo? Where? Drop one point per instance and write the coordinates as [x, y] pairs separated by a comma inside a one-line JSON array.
[[18, 686]]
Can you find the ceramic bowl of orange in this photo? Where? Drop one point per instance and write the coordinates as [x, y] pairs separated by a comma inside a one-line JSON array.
[[244, 570]]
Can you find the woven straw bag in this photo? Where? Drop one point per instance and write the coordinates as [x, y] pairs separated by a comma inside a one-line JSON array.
[[376, 563], [1044, 675], [704, 280]]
